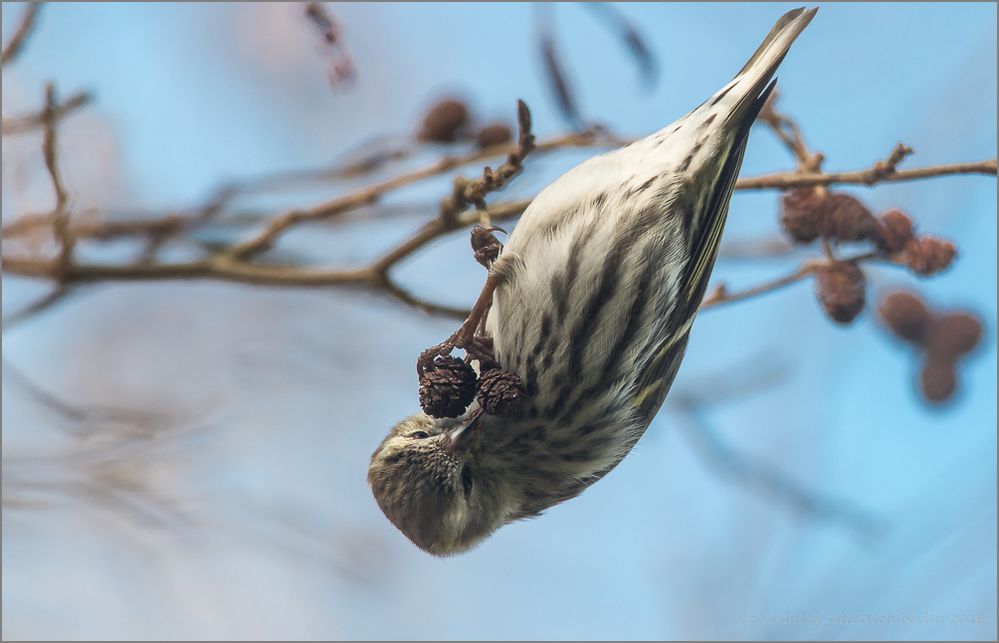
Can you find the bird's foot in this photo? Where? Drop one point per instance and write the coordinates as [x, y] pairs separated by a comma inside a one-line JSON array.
[[485, 245], [471, 336]]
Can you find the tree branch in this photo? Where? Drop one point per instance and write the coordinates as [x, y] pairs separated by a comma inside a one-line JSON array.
[[60, 214], [235, 262], [22, 124], [870, 176], [15, 45]]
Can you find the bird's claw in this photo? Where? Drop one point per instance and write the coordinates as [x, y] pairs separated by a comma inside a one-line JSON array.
[[476, 347], [485, 245]]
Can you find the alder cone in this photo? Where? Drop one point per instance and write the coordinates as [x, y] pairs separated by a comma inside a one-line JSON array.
[[905, 314], [842, 290], [799, 216], [447, 387], [500, 392], [493, 134], [954, 335], [938, 379], [929, 255], [893, 231], [444, 121], [846, 218]]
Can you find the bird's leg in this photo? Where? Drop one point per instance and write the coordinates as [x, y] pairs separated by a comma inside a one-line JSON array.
[[477, 345], [471, 337]]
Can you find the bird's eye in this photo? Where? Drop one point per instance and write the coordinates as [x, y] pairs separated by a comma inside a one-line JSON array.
[[419, 435], [466, 479]]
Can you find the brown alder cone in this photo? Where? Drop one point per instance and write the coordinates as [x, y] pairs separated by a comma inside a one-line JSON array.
[[500, 392], [447, 387], [929, 255], [842, 289], [905, 314], [493, 134], [807, 213], [938, 379], [800, 214], [893, 231], [845, 218], [953, 335], [444, 121]]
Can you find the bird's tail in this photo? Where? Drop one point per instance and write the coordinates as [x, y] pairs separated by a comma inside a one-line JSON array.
[[739, 103], [751, 81]]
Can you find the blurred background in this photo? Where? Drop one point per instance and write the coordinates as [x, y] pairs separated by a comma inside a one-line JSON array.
[[187, 459]]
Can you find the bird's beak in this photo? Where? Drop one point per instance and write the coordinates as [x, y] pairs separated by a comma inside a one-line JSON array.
[[463, 437]]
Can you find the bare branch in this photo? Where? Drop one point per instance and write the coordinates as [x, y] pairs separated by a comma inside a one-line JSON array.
[[870, 176], [22, 124], [55, 296], [611, 17], [60, 214], [277, 226], [759, 476], [15, 45], [467, 192], [235, 262], [554, 70], [721, 295], [342, 70]]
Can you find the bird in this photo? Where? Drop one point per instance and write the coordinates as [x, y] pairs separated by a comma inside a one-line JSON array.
[[592, 300]]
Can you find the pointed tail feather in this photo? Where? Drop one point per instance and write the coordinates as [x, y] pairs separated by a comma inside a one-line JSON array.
[[754, 76], [775, 46]]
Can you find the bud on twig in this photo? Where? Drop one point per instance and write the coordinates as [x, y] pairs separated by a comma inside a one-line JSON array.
[[841, 289]]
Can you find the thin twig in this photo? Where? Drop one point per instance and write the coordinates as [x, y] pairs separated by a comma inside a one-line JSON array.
[[174, 223], [31, 122], [721, 295], [233, 263], [60, 214], [757, 475], [342, 70], [789, 133], [466, 192], [870, 176], [55, 296], [369, 195], [692, 404], [15, 45]]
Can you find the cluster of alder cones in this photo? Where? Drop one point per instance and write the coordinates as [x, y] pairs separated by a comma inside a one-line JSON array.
[[449, 384], [811, 213], [449, 121], [941, 338]]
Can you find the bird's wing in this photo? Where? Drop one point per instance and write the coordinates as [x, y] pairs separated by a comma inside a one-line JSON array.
[[705, 233]]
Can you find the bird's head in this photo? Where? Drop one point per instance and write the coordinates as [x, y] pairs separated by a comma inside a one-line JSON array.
[[427, 478]]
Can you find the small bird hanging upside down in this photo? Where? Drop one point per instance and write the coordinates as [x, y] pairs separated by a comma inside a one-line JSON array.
[[592, 302]]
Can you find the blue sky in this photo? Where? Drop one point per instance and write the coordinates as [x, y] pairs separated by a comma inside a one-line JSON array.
[[298, 387]]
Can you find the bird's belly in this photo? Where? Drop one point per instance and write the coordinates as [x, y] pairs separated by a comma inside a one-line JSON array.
[[577, 321]]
